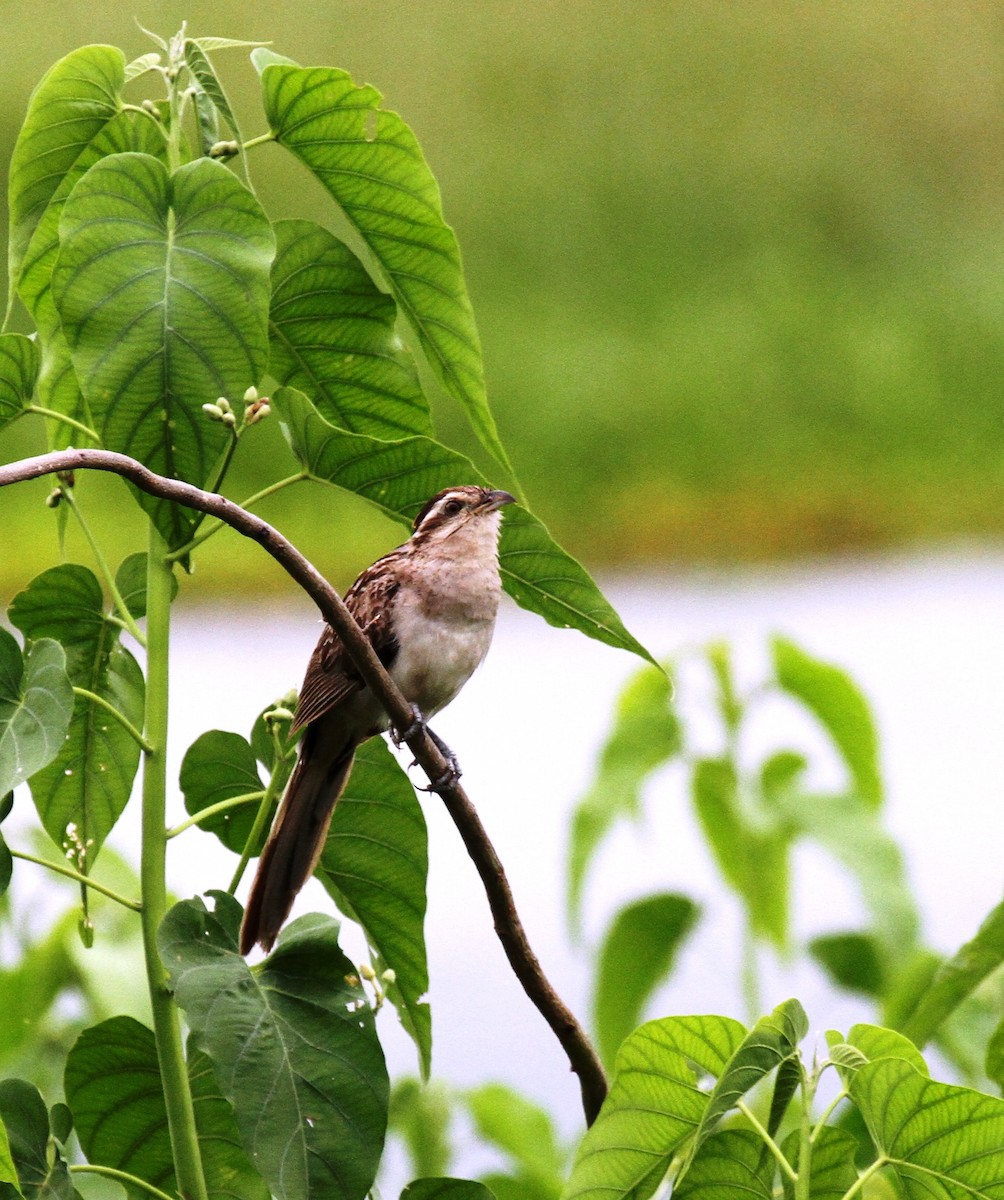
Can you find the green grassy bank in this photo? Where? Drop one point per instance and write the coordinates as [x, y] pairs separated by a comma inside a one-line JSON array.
[[739, 269]]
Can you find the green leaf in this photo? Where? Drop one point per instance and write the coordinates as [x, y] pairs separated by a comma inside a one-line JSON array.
[[522, 1131], [41, 1170], [852, 960], [832, 1172], [399, 477], [88, 784], [61, 1121], [70, 106], [840, 707], [36, 703], [8, 1172], [446, 1189], [753, 858], [772, 1041], [646, 733], [331, 332], [870, 1043], [786, 1083], [218, 766], [371, 164], [162, 287], [6, 861], [420, 1115], [207, 79], [636, 956], [140, 66], [57, 382], [44, 972], [293, 1047], [730, 707], [994, 1065], [957, 978], [849, 830], [653, 1106], [18, 372], [377, 856], [113, 1086], [732, 1163], [939, 1140], [130, 579]]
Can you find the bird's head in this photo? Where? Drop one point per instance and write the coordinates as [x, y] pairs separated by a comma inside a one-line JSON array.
[[455, 507]]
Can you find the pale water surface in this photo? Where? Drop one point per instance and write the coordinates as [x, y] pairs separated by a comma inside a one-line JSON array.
[[923, 636]]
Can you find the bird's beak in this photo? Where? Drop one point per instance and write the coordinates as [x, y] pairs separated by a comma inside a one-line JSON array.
[[496, 500]]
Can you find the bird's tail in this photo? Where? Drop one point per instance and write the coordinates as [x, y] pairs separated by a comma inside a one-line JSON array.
[[296, 840]]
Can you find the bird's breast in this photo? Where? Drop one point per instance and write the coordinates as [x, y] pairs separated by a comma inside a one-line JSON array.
[[439, 645]]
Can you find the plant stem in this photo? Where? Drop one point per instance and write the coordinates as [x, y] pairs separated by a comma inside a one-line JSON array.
[[127, 619], [275, 785], [826, 1113], [77, 877], [771, 1145], [123, 720], [865, 1175], [166, 1026], [803, 1184], [213, 810], [750, 975], [215, 526], [260, 140], [122, 1177], [79, 426]]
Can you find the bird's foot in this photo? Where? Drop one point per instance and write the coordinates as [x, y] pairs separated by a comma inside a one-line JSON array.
[[397, 736]]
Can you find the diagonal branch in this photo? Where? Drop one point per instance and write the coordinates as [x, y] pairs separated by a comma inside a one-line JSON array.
[[572, 1037]]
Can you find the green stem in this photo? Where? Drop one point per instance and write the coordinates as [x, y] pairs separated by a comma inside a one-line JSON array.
[[803, 1184], [123, 720], [865, 1175], [260, 140], [58, 416], [166, 1025], [122, 1176], [827, 1112], [121, 607], [750, 975], [215, 526], [213, 810], [275, 785], [771, 1145], [77, 877]]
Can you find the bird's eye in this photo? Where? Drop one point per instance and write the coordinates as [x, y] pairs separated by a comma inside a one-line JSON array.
[[452, 507]]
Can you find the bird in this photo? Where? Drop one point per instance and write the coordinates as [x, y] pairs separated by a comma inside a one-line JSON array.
[[428, 609]]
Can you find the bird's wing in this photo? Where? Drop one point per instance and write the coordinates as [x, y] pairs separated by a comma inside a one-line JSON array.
[[331, 677]]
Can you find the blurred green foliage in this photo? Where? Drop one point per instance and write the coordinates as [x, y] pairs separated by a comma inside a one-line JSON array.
[[738, 269]]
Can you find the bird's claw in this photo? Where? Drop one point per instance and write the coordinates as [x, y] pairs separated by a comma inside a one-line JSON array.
[[397, 736], [447, 780]]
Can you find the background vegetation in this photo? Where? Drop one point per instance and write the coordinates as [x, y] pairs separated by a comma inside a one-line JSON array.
[[756, 250]]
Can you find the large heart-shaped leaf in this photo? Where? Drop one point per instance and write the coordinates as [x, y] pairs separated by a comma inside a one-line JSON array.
[[654, 1104], [399, 477], [18, 372], [293, 1047], [113, 1086], [939, 1140], [89, 782], [162, 287], [36, 703], [332, 336], [70, 106], [372, 165], [377, 857]]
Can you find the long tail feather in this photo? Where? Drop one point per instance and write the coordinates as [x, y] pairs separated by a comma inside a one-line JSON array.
[[296, 840]]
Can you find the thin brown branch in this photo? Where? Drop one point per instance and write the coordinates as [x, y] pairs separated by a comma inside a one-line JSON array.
[[572, 1037]]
